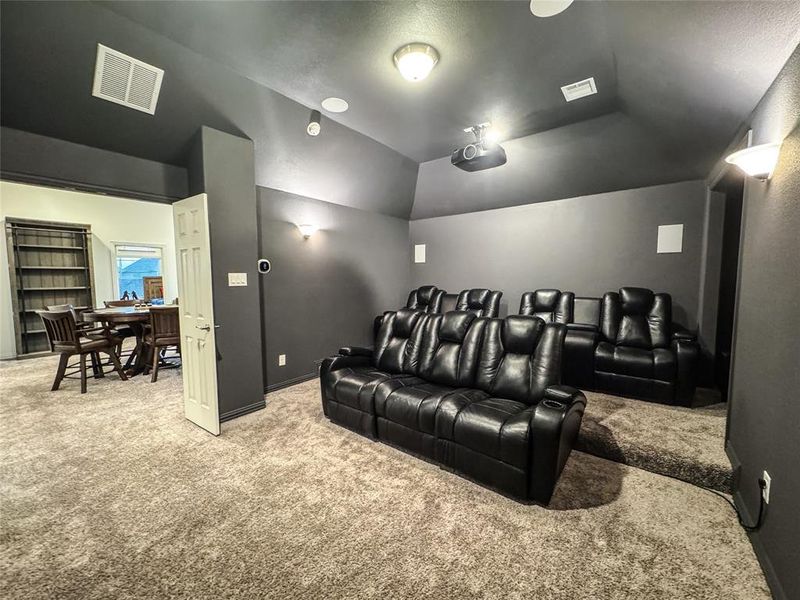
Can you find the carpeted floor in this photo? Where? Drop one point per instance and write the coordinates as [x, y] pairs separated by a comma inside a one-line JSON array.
[[112, 494], [688, 443]]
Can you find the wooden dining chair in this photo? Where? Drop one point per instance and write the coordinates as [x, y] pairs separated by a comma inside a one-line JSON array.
[[164, 333], [120, 303], [67, 340]]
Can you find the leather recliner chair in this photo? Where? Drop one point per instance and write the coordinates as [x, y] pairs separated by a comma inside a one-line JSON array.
[[427, 298], [553, 306], [479, 301], [480, 396], [639, 353]]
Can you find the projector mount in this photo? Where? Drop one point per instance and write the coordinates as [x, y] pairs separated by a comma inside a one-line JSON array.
[[479, 131]]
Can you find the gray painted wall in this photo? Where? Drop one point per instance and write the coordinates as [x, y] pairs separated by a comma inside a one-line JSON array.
[[588, 245], [223, 165], [32, 158], [323, 292], [764, 417], [340, 165]]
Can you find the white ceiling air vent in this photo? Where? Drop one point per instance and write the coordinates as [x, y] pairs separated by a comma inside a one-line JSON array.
[[579, 89], [124, 80]]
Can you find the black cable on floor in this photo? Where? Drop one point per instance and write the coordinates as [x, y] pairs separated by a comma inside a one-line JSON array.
[[761, 484]]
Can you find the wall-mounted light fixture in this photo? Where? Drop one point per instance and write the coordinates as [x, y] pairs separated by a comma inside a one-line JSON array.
[[756, 161], [307, 230], [314, 123], [416, 61]]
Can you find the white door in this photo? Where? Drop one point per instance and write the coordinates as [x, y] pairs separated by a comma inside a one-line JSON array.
[[198, 347]]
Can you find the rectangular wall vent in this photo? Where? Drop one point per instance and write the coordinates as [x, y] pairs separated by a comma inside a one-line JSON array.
[[579, 89], [124, 80]]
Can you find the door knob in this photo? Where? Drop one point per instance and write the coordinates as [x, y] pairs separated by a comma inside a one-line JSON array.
[[204, 327]]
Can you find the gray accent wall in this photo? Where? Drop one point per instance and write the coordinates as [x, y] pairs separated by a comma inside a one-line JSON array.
[[323, 292], [221, 165], [764, 417], [31, 158], [588, 245]]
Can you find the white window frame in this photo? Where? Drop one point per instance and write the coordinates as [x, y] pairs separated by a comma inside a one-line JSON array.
[[115, 272]]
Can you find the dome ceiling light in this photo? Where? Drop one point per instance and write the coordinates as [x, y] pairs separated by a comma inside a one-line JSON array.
[[335, 105], [416, 61], [549, 8]]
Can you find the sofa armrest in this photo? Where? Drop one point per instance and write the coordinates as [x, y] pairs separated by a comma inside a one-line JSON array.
[[577, 362], [581, 327], [355, 351], [554, 427], [679, 332], [687, 354]]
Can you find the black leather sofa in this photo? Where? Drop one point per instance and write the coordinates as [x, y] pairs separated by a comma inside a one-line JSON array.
[[624, 343], [480, 302], [427, 298], [478, 395]]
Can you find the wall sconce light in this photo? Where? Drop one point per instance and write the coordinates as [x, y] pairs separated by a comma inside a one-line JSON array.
[[307, 230], [756, 161], [314, 123]]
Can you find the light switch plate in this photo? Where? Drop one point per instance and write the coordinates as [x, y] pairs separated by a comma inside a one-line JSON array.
[[670, 239], [237, 279], [419, 253], [281, 360]]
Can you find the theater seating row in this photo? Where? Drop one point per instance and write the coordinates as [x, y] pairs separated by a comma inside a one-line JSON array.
[[478, 395], [623, 343]]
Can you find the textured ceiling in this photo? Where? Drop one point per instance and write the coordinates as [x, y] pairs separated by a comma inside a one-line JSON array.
[[690, 72]]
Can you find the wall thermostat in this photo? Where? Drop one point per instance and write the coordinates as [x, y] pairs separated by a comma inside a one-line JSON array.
[[264, 265]]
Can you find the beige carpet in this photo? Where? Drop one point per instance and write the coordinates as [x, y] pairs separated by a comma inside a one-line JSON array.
[[688, 443], [114, 495]]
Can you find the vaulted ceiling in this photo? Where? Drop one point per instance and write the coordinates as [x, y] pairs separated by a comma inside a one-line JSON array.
[[675, 82]]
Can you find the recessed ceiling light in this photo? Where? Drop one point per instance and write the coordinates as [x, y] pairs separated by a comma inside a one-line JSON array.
[[335, 105], [549, 8], [416, 61]]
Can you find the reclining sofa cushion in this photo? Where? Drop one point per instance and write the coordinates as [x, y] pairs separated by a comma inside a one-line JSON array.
[[480, 302], [349, 382], [427, 299], [552, 306], [447, 359]]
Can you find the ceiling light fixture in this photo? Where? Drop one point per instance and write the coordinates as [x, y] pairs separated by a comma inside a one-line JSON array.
[[307, 229], [416, 61], [314, 124], [335, 105], [549, 8], [756, 161]]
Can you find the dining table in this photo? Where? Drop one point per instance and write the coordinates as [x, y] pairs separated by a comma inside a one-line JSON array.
[[134, 317]]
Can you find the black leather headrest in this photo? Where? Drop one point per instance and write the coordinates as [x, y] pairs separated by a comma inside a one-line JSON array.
[[455, 325], [425, 294], [477, 298], [545, 300], [404, 322], [636, 301], [521, 334]]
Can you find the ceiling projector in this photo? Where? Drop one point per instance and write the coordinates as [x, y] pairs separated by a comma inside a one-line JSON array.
[[481, 154]]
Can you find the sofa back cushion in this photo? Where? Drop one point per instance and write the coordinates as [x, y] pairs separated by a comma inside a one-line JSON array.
[[396, 346], [637, 317], [520, 356], [427, 298], [450, 347], [552, 306], [480, 302]]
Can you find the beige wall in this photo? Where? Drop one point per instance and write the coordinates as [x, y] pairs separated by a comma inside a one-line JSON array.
[[112, 219]]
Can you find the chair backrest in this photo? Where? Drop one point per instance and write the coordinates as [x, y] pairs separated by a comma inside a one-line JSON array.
[[62, 332], [520, 356], [63, 307], [164, 322], [120, 303], [636, 317], [450, 347], [395, 351], [586, 311], [427, 298], [480, 301], [552, 306]]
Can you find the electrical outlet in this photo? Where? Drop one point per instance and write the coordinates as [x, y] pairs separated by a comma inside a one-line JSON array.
[[281, 360], [765, 491]]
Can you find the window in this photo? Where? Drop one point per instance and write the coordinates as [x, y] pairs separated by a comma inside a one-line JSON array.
[[138, 271]]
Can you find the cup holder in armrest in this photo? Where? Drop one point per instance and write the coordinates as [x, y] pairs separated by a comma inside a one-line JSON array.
[[554, 404]]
